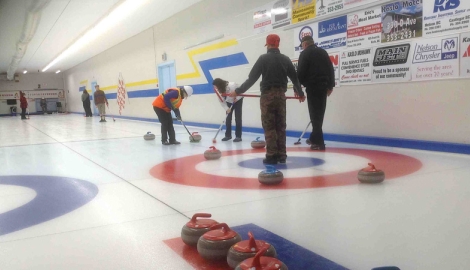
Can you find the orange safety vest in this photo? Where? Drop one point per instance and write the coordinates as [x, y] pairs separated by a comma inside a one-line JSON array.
[[175, 102]]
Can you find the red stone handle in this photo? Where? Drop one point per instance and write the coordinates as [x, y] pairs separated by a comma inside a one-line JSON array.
[[222, 226], [198, 215], [256, 260], [212, 148], [252, 242]]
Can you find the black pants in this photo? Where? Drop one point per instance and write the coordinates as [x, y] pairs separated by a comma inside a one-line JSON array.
[[237, 107], [167, 124], [316, 107], [87, 108], [23, 113]]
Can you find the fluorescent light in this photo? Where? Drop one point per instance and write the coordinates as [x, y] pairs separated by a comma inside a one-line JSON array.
[[57, 71], [116, 15], [25, 71]]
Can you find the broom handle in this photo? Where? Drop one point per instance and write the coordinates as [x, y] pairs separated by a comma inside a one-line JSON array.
[[247, 95]]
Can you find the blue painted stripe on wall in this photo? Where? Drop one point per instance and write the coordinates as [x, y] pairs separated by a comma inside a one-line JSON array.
[[382, 141], [143, 93], [216, 63], [81, 88]]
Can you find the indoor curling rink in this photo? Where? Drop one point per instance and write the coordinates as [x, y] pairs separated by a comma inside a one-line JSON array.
[[79, 194]]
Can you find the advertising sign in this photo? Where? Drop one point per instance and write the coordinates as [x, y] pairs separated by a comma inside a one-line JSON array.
[[436, 58], [446, 16], [402, 20], [262, 19], [364, 27], [280, 13], [392, 63], [325, 7], [356, 66], [465, 55], [303, 10]]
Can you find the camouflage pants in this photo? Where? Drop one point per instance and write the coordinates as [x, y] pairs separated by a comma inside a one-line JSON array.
[[273, 118]]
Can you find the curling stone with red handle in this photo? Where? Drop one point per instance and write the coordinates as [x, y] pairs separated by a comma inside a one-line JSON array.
[[195, 137], [248, 249], [260, 262], [215, 244], [270, 176], [258, 144], [212, 153], [371, 175], [195, 228]]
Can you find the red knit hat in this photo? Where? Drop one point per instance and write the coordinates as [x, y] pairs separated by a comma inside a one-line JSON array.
[[273, 40]]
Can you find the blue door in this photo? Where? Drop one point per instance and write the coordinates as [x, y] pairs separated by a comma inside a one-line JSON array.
[[167, 77]]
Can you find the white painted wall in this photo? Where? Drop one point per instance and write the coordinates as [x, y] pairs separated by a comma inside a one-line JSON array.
[[30, 81], [433, 111]]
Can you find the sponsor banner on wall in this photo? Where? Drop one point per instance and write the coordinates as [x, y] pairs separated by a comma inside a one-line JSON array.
[[280, 13], [392, 63], [262, 19], [331, 33], [9, 95], [364, 27], [355, 67], [326, 7], [303, 10], [44, 94], [446, 16], [436, 58], [299, 33], [465, 55], [402, 20], [334, 57]]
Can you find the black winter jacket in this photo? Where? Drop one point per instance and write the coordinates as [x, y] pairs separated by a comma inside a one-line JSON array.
[[275, 68], [315, 69]]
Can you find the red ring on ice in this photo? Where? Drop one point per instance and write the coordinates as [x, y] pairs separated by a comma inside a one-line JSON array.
[[182, 171]]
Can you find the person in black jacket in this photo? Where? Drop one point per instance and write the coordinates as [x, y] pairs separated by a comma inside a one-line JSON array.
[[274, 68], [316, 72], [86, 103]]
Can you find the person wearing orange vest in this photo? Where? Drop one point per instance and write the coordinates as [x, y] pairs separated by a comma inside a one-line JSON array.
[[170, 99]]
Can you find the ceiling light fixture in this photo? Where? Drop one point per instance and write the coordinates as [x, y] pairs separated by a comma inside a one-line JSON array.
[[25, 71], [118, 14], [57, 71]]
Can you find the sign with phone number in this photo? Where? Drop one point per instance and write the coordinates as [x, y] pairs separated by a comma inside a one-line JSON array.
[[402, 20]]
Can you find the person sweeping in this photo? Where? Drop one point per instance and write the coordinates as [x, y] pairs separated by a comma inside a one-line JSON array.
[[222, 89], [170, 100]]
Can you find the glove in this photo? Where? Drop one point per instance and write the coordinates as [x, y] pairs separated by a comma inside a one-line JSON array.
[[177, 114], [300, 97]]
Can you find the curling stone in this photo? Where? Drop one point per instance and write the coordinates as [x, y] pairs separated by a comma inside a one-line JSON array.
[[248, 249], [260, 262], [149, 136], [256, 144], [215, 244], [371, 175], [212, 153], [195, 137], [195, 228], [270, 176]]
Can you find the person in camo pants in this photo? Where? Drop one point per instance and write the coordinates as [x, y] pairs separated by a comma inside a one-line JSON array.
[[274, 68]]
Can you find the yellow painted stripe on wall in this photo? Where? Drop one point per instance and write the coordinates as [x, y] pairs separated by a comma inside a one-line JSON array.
[[107, 88], [192, 75], [152, 81], [132, 84], [209, 48], [84, 82]]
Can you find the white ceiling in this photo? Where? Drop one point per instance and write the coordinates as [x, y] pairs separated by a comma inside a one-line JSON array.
[[64, 21]]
